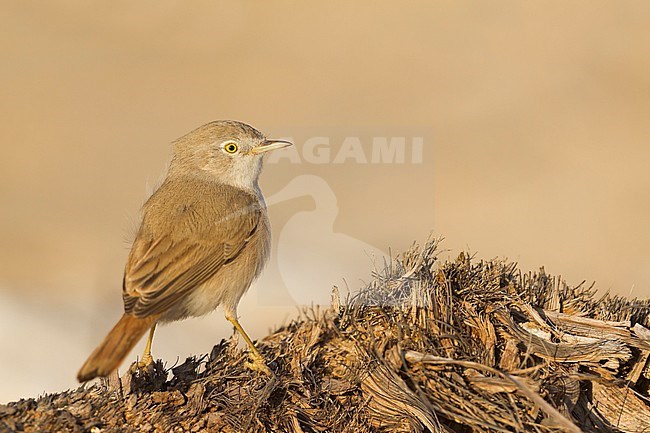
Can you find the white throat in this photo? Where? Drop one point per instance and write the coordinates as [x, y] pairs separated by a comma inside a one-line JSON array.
[[244, 175]]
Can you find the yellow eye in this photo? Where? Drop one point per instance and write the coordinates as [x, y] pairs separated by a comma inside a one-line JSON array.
[[231, 147]]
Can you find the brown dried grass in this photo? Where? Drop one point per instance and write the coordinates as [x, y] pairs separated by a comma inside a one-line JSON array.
[[462, 346]]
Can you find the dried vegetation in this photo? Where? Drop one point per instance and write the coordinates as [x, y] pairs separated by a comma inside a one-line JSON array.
[[462, 346]]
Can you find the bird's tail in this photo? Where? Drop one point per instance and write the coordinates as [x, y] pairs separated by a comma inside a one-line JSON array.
[[117, 344]]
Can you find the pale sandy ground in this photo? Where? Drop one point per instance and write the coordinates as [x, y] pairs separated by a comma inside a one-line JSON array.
[[534, 118]]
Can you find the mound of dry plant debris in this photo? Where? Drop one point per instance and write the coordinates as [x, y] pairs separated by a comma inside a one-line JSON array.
[[463, 346]]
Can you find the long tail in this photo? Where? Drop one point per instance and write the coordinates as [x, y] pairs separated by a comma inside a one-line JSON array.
[[117, 344]]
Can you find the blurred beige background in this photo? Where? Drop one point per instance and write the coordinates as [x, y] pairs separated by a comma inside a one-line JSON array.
[[534, 118]]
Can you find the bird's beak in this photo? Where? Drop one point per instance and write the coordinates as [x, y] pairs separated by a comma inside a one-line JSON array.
[[268, 145]]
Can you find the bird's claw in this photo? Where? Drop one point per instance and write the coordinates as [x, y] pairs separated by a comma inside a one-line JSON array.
[[257, 364], [145, 362]]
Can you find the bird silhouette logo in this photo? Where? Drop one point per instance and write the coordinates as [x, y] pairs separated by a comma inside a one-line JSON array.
[[311, 257]]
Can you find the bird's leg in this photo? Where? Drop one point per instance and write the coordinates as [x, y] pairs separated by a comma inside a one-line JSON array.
[[258, 363], [147, 359]]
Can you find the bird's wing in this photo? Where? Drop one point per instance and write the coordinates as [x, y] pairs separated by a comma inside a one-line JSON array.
[[165, 263]]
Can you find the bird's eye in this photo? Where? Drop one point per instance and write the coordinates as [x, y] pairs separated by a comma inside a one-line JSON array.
[[231, 147]]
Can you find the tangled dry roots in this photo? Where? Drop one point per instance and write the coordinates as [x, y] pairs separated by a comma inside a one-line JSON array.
[[463, 346]]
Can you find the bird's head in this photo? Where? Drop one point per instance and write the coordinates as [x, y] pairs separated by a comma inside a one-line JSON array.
[[228, 151]]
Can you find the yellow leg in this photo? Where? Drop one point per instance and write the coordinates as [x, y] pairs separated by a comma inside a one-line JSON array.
[[258, 363], [147, 359]]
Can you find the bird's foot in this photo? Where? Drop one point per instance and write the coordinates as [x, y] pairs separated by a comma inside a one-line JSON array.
[[257, 364], [145, 362]]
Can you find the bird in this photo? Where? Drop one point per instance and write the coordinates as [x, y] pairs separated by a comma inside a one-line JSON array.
[[203, 238]]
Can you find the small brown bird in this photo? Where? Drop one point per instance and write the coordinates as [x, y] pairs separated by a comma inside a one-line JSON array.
[[204, 238]]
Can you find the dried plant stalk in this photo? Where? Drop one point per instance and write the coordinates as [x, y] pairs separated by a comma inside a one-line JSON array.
[[460, 346]]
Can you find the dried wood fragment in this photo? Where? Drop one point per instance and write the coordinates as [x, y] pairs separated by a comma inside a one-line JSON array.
[[610, 352], [391, 402], [621, 408], [461, 346]]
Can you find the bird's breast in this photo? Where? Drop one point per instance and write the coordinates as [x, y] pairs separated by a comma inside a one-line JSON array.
[[229, 284]]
